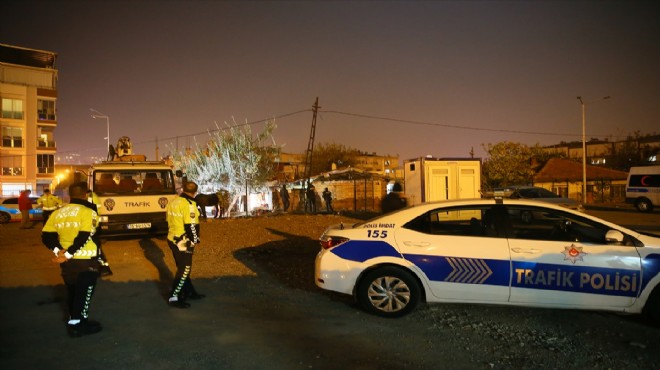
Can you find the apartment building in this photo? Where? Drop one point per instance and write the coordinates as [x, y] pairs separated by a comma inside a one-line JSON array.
[[28, 90], [600, 151]]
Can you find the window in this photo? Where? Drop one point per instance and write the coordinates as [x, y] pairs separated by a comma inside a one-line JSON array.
[[12, 165], [537, 223], [134, 182], [12, 137], [12, 108], [45, 137], [46, 110], [459, 221], [46, 163], [618, 192]]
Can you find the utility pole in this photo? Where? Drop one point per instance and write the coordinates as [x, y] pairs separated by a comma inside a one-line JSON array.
[[310, 151]]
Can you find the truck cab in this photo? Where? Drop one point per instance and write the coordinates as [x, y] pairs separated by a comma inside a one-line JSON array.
[[132, 197]]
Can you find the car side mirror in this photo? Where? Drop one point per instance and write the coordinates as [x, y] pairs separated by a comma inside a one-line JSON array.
[[614, 237]]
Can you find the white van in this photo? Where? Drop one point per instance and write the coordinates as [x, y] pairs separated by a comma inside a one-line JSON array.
[[643, 187]]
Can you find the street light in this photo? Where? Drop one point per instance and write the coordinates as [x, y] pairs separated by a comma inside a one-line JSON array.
[[584, 146], [97, 114]]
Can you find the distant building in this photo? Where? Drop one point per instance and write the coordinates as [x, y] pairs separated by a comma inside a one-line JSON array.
[[599, 152], [291, 166], [28, 90], [564, 177]]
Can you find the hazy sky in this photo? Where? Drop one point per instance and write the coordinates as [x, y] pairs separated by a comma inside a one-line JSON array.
[[447, 76]]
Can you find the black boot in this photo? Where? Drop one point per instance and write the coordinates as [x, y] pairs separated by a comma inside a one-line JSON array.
[[84, 327]]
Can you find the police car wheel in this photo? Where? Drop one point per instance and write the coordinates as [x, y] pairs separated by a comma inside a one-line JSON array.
[[388, 292], [4, 217]]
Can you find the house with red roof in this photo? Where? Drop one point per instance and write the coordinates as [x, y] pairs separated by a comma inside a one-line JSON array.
[[564, 177]]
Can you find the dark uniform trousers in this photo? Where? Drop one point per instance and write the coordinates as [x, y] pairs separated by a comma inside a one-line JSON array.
[[46, 214], [182, 286], [80, 277]]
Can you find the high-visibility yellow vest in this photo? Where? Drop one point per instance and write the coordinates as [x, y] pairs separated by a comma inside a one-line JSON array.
[[49, 202], [180, 212], [68, 221]]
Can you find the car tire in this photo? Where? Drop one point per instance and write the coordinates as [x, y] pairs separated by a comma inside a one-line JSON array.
[[652, 307], [4, 217], [644, 205], [388, 292]]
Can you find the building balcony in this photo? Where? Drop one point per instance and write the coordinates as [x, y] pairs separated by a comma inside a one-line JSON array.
[[46, 144]]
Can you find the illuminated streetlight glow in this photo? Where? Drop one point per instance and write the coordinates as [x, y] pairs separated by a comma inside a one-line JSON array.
[[97, 114], [584, 145]]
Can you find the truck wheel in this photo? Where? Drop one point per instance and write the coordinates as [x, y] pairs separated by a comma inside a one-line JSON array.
[[388, 292], [644, 205]]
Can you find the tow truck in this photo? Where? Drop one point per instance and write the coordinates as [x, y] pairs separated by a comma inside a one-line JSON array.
[[132, 194]]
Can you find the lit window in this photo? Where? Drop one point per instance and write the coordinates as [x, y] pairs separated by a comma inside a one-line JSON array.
[[12, 137], [12, 108], [12, 165]]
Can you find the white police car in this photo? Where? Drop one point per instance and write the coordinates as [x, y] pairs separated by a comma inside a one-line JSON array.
[[478, 251], [9, 210]]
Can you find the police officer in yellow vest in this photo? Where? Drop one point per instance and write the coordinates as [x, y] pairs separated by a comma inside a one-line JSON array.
[[71, 234], [182, 237], [103, 260], [48, 203]]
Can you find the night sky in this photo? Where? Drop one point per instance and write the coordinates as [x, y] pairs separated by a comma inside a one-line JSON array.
[[444, 77]]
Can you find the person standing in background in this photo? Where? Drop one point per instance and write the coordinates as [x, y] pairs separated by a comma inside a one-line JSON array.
[[284, 195], [25, 206], [104, 270], [310, 198], [327, 197], [182, 237], [394, 200], [71, 234], [48, 203]]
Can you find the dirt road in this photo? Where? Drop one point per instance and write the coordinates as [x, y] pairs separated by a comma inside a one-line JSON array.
[[263, 311]]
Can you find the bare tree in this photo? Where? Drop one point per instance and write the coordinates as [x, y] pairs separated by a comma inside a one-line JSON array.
[[233, 159]]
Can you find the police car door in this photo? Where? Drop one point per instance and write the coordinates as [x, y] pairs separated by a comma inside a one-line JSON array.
[[450, 247], [559, 259]]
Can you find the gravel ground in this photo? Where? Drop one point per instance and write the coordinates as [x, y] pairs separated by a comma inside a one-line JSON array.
[[509, 336], [259, 273]]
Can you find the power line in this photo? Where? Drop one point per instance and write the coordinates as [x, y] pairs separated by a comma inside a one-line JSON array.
[[446, 125], [227, 128], [359, 115]]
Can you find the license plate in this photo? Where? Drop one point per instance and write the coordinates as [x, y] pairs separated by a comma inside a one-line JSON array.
[[146, 225]]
